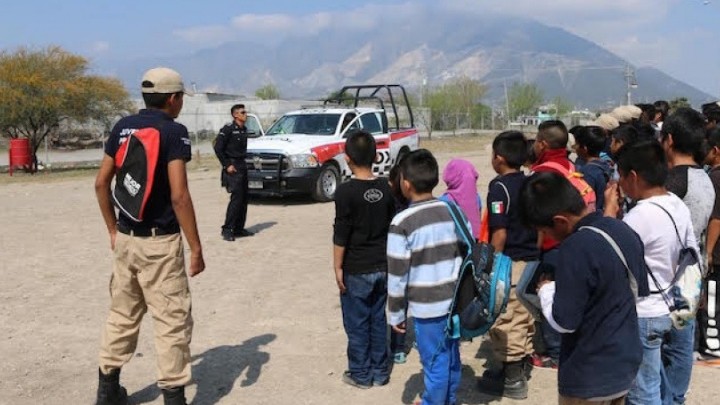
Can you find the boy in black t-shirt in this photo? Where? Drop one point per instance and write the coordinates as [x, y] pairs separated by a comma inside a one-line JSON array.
[[364, 207], [511, 336]]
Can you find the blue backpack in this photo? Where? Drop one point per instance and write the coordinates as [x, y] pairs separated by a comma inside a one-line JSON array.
[[483, 285]]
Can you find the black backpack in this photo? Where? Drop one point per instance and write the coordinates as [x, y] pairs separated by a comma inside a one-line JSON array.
[[135, 163]]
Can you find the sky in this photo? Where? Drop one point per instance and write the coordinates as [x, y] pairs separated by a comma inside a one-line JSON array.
[[679, 37]]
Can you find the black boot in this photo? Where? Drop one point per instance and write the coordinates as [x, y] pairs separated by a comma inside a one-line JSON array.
[[110, 392], [512, 383], [174, 396]]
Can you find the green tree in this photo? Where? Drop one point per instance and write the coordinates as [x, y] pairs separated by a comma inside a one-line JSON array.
[[524, 99], [268, 92], [40, 90], [562, 106], [453, 105], [679, 102]]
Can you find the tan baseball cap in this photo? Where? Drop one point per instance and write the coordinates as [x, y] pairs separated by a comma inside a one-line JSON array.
[[606, 121], [635, 111], [164, 81], [622, 114]]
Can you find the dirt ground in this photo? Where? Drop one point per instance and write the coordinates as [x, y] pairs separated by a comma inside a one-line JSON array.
[[268, 328]]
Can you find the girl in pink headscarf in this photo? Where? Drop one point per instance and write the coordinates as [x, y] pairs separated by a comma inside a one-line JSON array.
[[461, 179]]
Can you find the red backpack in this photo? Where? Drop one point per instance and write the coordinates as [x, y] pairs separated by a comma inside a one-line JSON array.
[[576, 179], [135, 164]]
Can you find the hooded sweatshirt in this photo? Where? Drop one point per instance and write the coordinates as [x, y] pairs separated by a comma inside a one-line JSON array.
[[461, 179]]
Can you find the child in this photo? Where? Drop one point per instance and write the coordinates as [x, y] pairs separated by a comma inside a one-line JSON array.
[[423, 265], [461, 179], [364, 207], [662, 221], [589, 143], [591, 302], [511, 336], [397, 340]]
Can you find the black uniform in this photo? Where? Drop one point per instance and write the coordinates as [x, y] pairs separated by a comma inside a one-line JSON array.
[[230, 148]]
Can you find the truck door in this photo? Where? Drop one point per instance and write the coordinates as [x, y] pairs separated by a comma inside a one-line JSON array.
[[372, 123]]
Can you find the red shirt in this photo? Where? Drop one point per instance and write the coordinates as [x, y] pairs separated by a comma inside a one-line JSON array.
[[558, 156]]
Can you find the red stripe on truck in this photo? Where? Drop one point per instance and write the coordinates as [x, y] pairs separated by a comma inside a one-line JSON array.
[[327, 152], [394, 136]]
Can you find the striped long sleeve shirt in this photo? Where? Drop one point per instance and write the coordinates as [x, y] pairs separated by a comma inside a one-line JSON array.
[[423, 262]]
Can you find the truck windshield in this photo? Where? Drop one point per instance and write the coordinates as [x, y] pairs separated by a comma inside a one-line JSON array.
[[305, 124]]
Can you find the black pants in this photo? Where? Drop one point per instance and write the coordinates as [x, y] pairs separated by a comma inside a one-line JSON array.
[[706, 339], [237, 186]]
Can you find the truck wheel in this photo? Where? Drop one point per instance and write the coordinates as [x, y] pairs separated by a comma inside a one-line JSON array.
[[326, 183]]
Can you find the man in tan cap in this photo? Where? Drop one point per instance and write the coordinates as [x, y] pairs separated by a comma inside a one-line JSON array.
[[148, 259]]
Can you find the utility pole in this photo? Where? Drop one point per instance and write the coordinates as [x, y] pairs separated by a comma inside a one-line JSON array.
[[631, 83], [507, 101]]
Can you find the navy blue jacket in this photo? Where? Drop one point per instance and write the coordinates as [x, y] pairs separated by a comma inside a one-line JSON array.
[[593, 299]]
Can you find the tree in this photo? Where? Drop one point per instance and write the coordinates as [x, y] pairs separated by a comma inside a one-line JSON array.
[[562, 106], [453, 104], [268, 92], [40, 90], [679, 102], [524, 99]]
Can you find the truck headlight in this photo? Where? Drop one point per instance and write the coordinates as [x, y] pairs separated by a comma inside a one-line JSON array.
[[303, 161]]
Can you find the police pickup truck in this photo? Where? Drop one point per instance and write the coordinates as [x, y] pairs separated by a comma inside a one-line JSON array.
[[303, 151]]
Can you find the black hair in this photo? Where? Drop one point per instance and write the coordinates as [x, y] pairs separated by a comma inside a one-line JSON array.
[[592, 138], [420, 169], [711, 111], [360, 148], [687, 128], [632, 133], [157, 100], [545, 195], [713, 138], [531, 158], [394, 180], [554, 132], [236, 107], [663, 107], [647, 159], [648, 112], [512, 146]]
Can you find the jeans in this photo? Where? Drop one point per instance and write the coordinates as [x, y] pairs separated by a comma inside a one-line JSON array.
[[651, 381], [363, 309], [440, 358], [677, 356]]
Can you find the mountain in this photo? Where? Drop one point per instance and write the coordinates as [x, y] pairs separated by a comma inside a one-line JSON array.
[[432, 46]]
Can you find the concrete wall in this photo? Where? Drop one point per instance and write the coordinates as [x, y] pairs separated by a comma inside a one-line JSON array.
[[210, 111]]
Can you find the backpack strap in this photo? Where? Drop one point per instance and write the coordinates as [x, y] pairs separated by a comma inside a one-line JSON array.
[[619, 253], [460, 225], [558, 168], [682, 243], [661, 290]]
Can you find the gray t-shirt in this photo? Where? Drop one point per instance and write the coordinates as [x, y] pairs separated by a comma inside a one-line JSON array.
[[695, 188]]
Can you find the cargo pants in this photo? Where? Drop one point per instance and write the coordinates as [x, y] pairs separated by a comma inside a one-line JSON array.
[[149, 273], [512, 334]]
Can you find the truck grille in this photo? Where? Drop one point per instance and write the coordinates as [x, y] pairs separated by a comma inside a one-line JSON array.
[[261, 162]]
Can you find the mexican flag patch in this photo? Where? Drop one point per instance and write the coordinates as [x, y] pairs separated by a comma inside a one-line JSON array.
[[497, 207]]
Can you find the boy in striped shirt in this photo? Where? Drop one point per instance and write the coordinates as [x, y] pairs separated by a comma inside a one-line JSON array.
[[423, 265]]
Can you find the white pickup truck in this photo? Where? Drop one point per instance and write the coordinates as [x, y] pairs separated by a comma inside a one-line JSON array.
[[303, 151]]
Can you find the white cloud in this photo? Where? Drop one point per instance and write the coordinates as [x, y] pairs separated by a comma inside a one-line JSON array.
[[99, 47], [207, 35]]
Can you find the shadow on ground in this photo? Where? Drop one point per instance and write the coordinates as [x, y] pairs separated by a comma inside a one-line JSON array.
[[216, 371], [257, 228]]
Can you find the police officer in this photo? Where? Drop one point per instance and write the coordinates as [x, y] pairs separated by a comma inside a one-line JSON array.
[[230, 148]]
